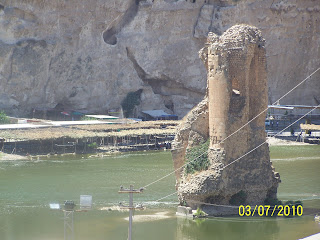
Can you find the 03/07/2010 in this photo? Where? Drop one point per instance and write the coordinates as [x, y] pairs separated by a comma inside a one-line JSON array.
[[270, 211]]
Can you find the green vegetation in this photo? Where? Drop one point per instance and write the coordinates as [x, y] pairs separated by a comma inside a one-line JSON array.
[[196, 163], [130, 101], [85, 118], [4, 119], [275, 201], [287, 205], [293, 203], [238, 198], [199, 221], [184, 203], [199, 216], [200, 213], [93, 145]]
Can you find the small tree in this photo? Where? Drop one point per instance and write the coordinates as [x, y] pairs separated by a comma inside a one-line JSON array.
[[4, 119]]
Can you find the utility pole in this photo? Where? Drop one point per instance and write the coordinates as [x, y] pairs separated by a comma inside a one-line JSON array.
[[69, 209], [131, 191], [68, 220], [68, 225]]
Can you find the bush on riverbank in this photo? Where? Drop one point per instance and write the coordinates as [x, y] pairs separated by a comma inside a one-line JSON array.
[[4, 119], [93, 145], [200, 213], [277, 202]]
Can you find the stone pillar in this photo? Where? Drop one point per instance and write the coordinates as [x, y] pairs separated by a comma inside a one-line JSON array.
[[236, 93], [218, 96]]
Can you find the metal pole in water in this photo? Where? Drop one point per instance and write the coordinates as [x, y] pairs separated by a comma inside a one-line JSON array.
[[130, 212], [131, 191], [68, 225], [65, 225]]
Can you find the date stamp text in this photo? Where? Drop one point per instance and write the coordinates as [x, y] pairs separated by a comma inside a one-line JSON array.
[[270, 211]]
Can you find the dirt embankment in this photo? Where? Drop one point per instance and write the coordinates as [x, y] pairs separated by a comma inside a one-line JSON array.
[[81, 139], [272, 141], [9, 157]]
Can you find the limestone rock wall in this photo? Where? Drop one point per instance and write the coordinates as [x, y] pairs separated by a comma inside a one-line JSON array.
[[88, 54], [292, 31]]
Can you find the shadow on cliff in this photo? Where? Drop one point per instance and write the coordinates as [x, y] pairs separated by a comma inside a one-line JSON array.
[[162, 84], [109, 36]]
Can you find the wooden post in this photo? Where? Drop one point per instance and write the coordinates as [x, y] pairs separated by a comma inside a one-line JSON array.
[[64, 148], [147, 136]]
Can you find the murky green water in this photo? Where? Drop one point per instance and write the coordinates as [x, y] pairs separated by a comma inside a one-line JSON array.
[[27, 188]]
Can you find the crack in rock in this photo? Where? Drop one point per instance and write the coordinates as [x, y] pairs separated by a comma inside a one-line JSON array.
[[162, 85], [109, 36]]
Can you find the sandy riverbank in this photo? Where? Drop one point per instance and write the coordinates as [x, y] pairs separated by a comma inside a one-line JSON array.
[[272, 141], [9, 157]]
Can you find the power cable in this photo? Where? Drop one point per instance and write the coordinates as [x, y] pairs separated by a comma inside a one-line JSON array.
[[255, 147], [166, 196], [274, 135], [235, 131]]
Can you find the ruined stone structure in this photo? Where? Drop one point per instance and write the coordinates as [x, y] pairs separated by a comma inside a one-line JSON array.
[[237, 93]]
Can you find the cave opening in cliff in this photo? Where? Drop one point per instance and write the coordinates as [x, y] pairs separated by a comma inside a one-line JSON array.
[[109, 36]]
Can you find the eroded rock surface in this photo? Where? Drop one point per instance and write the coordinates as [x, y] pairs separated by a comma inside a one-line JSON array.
[[237, 94], [88, 54]]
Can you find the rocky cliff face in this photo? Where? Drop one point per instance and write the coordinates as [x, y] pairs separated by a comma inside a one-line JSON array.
[[88, 54]]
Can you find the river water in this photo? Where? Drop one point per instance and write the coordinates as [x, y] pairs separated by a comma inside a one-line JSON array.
[[27, 188]]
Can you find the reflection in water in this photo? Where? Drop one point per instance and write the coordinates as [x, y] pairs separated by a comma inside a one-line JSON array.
[[228, 228], [249, 228]]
